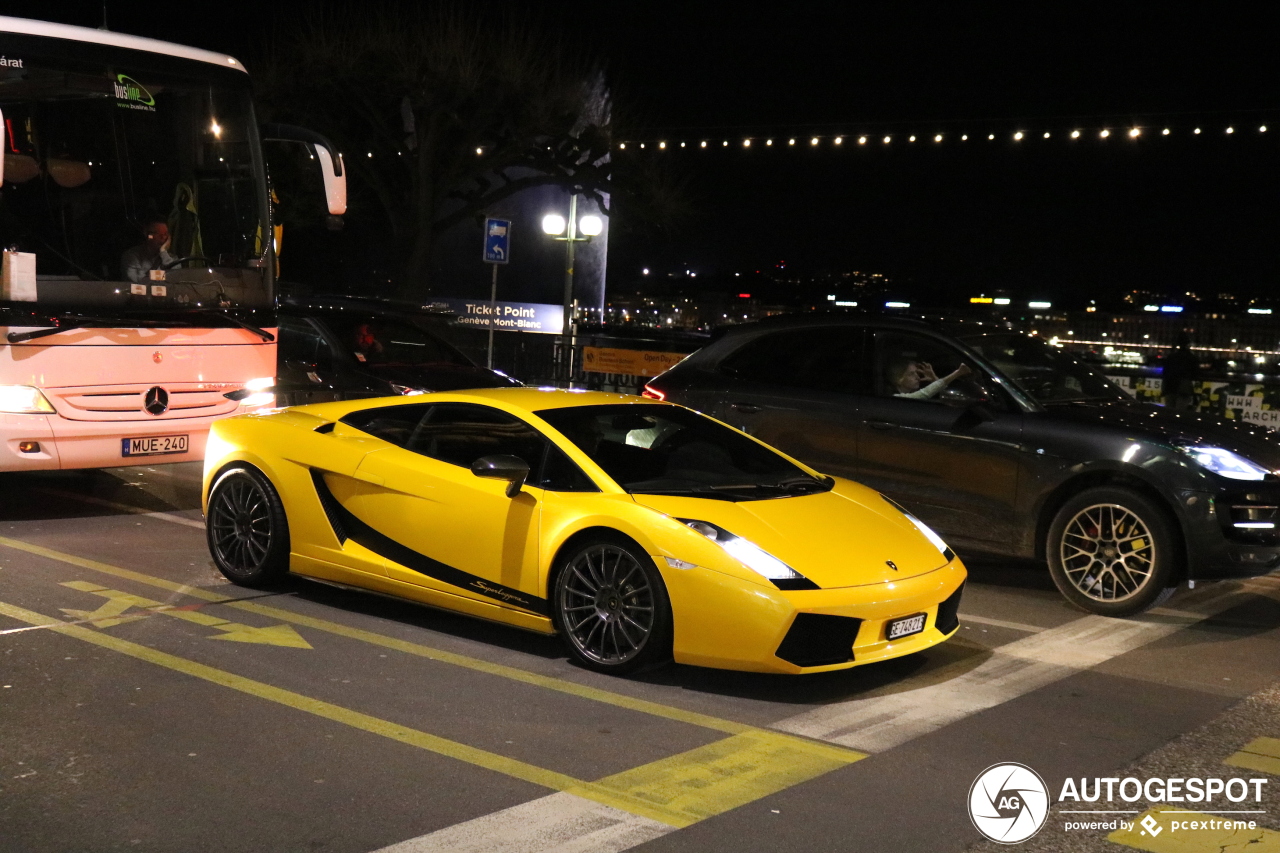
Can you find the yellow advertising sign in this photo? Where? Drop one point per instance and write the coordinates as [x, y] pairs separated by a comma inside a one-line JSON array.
[[629, 361]]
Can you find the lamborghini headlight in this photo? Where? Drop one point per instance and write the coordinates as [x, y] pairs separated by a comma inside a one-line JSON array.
[[746, 552], [929, 532], [1222, 461]]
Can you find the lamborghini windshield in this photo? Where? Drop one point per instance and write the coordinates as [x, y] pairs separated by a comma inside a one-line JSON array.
[[669, 450], [132, 182]]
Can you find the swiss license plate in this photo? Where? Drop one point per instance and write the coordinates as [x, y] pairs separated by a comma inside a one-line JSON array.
[[154, 445], [906, 626]]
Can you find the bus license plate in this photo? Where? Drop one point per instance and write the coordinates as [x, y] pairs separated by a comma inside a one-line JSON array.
[[906, 626], [153, 445]]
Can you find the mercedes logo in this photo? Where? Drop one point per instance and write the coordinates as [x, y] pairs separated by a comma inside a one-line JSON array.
[[156, 401]]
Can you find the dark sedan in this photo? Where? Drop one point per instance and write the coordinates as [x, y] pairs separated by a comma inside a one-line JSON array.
[[1005, 445], [338, 348]]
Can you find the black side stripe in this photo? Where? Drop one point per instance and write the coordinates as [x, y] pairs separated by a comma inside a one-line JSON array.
[[347, 526]]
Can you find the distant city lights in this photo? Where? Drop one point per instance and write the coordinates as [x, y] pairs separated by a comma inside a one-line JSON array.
[[897, 305], [1039, 304], [1018, 135]]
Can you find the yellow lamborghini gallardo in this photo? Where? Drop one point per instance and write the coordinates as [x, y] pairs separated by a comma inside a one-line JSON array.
[[637, 530]]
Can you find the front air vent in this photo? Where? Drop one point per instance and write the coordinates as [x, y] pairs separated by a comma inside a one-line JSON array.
[[949, 612], [818, 639]]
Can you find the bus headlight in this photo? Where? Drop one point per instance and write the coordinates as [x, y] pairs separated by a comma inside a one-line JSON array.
[[24, 400]]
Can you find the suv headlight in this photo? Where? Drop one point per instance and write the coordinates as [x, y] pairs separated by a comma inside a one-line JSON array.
[[752, 556], [24, 400], [1221, 461]]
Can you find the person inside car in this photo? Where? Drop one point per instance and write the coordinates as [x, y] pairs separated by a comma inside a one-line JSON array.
[[916, 380], [367, 345]]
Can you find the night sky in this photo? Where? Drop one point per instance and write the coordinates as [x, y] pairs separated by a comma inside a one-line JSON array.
[[1043, 218]]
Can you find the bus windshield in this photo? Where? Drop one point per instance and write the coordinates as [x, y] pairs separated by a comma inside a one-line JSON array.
[[135, 181]]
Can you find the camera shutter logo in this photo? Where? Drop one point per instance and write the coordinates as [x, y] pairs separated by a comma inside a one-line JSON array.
[[1008, 803]]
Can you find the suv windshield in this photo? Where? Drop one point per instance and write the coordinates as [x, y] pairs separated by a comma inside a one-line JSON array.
[[1043, 372], [131, 180], [668, 450]]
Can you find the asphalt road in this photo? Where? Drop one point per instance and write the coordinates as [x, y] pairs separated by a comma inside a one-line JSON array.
[[148, 705]]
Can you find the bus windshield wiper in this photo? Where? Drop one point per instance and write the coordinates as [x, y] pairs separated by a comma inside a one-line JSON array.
[[70, 322], [234, 320]]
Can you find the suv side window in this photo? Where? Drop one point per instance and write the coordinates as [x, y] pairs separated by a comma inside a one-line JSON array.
[[917, 367], [299, 342], [826, 359]]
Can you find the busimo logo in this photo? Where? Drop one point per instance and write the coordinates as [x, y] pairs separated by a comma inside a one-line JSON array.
[[1008, 803]]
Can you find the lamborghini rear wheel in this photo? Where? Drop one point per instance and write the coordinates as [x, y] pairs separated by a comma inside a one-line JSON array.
[[246, 527]]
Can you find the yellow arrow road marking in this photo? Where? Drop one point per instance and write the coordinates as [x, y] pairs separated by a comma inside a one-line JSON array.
[[118, 602], [677, 791], [546, 682]]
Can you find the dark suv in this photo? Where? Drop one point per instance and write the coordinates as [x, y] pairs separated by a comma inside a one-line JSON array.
[[343, 348], [1006, 445]]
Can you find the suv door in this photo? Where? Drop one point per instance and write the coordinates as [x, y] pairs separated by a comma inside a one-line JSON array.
[[305, 369], [950, 451], [795, 389]]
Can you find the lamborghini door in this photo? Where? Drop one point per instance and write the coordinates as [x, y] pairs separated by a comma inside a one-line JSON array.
[[440, 526]]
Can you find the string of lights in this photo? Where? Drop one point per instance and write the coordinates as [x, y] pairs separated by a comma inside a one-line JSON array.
[[846, 140]]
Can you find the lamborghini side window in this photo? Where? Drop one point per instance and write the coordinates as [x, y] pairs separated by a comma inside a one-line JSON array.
[[395, 424], [461, 433]]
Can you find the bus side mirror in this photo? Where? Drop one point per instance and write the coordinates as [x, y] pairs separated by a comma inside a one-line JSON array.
[[331, 170]]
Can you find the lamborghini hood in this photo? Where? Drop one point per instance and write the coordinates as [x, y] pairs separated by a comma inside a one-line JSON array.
[[849, 536]]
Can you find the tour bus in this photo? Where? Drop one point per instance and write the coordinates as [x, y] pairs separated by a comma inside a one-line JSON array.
[[137, 299]]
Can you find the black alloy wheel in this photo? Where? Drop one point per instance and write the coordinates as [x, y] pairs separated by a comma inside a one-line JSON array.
[[246, 528], [1114, 552], [611, 606]]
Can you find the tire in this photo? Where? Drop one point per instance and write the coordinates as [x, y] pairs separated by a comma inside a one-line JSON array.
[[246, 528], [1114, 552], [611, 607]]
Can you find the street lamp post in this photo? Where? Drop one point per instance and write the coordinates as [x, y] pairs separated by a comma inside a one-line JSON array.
[[568, 233]]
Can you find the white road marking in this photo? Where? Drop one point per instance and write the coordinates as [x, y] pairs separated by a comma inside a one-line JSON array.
[[1001, 623], [957, 691], [560, 823], [171, 517]]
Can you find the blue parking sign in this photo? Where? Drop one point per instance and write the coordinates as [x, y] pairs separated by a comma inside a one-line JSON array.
[[497, 240]]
